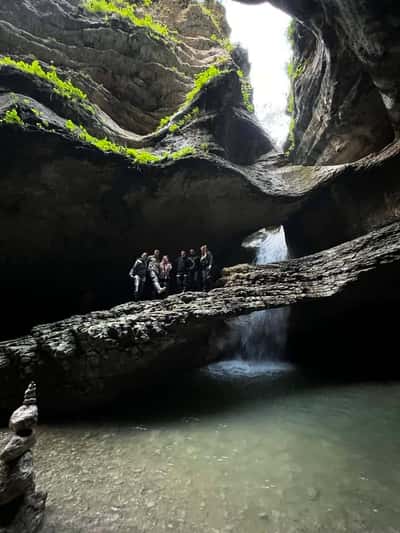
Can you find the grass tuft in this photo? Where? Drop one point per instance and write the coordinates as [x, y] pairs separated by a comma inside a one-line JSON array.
[[128, 11]]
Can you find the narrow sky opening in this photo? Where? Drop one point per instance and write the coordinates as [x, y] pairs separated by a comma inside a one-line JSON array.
[[262, 30]]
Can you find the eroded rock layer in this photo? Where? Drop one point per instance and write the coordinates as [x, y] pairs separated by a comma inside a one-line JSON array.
[[346, 87], [93, 359], [133, 74]]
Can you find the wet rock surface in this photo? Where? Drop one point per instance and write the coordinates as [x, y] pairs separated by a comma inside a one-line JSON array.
[[21, 505], [92, 359], [345, 79]]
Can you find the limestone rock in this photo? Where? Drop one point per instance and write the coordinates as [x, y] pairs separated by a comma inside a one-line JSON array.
[[17, 446], [24, 419], [16, 478], [93, 359], [21, 505]]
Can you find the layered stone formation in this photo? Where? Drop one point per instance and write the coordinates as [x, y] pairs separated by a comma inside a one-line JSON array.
[[90, 360], [102, 178], [346, 88], [106, 102], [21, 505]]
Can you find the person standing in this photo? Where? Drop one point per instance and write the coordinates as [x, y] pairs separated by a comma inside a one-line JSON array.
[[194, 273], [206, 266], [154, 273], [183, 265], [138, 274], [165, 273]]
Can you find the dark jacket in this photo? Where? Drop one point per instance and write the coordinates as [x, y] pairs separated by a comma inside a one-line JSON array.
[[196, 263], [207, 262], [139, 268], [184, 265]]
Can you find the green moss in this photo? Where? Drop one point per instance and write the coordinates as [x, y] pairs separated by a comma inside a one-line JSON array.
[[290, 104], [128, 11], [11, 116], [66, 89], [247, 91], [294, 72], [212, 16], [290, 32], [36, 112], [139, 156], [183, 152], [185, 120], [224, 42], [291, 137], [164, 121], [201, 79]]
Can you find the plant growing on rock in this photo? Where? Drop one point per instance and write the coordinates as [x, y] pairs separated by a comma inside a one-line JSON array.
[[140, 156], [247, 91], [185, 120], [11, 116], [200, 81], [127, 11], [212, 16], [61, 87]]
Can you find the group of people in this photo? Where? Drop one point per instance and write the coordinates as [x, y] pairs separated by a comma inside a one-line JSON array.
[[191, 271]]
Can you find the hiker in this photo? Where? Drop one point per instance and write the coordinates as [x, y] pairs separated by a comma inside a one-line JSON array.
[[206, 266], [194, 273], [153, 268], [183, 266], [155, 256], [165, 273], [138, 274]]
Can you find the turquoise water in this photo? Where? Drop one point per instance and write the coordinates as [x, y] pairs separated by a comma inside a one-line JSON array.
[[234, 448]]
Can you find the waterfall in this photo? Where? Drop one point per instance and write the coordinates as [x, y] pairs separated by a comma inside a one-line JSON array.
[[261, 28], [262, 335]]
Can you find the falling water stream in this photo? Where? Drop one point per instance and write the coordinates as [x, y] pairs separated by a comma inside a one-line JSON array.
[[248, 445]]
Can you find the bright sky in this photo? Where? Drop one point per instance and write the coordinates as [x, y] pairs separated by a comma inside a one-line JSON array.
[[261, 29]]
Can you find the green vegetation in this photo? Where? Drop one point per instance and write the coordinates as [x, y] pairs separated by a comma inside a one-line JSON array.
[[295, 72], [291, 31], [212, 16], [128, 11], [64, 88], [201, 79], [183, 152], [11, 116], [247, 91], [224, 42], [36, 112], [139, 156], [290, 104], [185, 120], [291, 137]]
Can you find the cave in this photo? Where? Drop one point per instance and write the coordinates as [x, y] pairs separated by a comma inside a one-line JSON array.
[[133, 126]]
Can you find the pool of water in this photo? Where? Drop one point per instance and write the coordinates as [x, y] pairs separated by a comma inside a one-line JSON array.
[[238, 447]]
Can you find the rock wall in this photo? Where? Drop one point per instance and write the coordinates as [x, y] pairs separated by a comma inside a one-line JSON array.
[[91, 175], [134, 75], [86, 361]]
